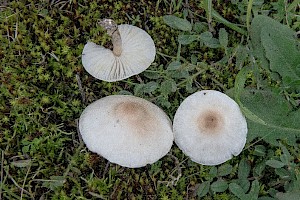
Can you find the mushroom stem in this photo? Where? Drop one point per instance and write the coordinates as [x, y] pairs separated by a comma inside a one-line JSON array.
[[113, 31]]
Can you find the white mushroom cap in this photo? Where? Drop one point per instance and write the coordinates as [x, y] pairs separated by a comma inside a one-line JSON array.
[[126, 130], [137, 52], [209, 127]]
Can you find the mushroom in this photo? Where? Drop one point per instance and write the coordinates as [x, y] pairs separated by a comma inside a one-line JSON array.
[[209, 127], [126, 130], [133, 52]]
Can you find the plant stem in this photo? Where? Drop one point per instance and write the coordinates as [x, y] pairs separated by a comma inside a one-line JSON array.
[[220, 19], [249, 9], [113, 31]]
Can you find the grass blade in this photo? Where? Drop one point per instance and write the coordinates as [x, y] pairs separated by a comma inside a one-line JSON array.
[[293, 5], [220, 19], [249, 9], [208, 9]]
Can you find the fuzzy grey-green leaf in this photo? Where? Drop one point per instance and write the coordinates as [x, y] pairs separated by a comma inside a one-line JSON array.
[[187, 39], [167, 87], [223, 37], [219, 186], [259, 150], [203, 189], [274, 163], [244, 169], [276, 43], [177, 23], [224, 170], [281, 121], [237, 190]]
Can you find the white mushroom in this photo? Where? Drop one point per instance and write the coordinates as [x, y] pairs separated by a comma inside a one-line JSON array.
[[133, 52], [209, 127], [126, 130]]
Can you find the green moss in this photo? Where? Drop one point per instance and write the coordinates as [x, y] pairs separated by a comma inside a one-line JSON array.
[[40, 101]]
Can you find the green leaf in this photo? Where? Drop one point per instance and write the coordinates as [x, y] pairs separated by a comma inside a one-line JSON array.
[[280, 121], [194, 59], [167, 87], [189, 86], [256, 43], [208, 40], [219, 186], [187, 39], [203, 189], [241, 56], [124, 92], [294, 195], [286, 156], [244, 183], [292, 6], [283, 173], [163, 101], [206, 36], [259, 150], [174, 65], [244, 169], [208, 9], [213, 172], [139, 89], [237, 190], [223, 37], [177, 23], [152, 74], [145, 88], [283, 55], [265, 198], [259, 168], [224, 170], [273, 192], [249, 13], [212, 43], [276, 43], [265, 111], [222, 20], [274, 163], [199, 27], [150, 87], [238, 89], [254, 191]]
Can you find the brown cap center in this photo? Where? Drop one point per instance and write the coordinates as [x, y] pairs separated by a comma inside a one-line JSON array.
[[210, 122], [134, 115], [131, 110]]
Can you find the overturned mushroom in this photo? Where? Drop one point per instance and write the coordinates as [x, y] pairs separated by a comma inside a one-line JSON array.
[[126, 130], [209, 127], [133, 52]]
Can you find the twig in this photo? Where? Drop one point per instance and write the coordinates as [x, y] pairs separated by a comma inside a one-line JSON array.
[[174, 180], [17, 185], [106, 169], [80, 88], [16, 31], [178, 169], [153, 182], [1, 179], [99, 196], [78, 132], [22, 190]]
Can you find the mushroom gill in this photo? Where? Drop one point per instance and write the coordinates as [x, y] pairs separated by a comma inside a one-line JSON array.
[[133, 52]]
